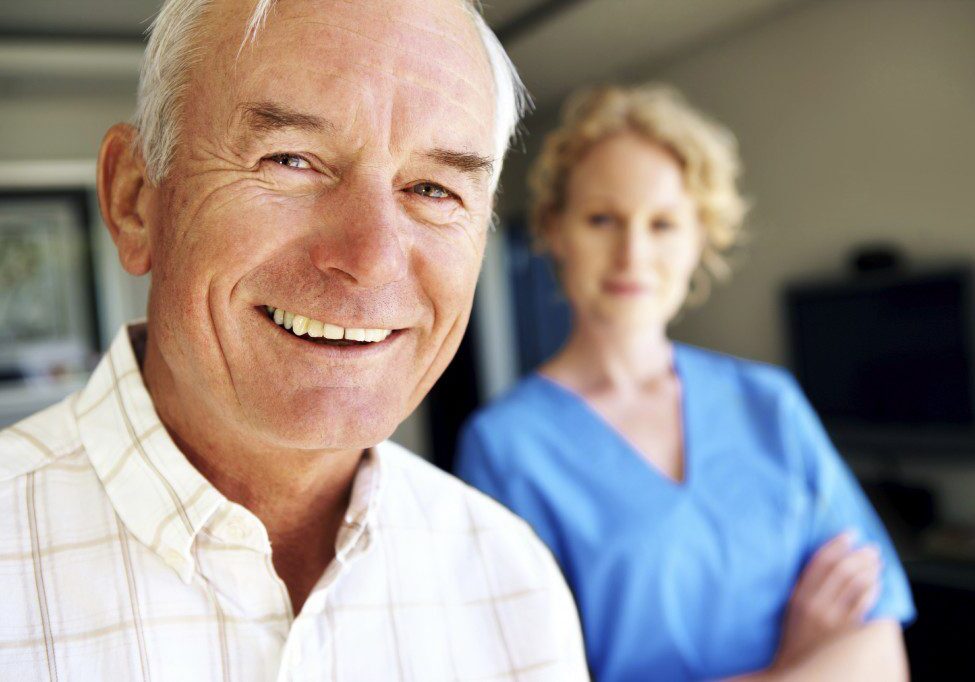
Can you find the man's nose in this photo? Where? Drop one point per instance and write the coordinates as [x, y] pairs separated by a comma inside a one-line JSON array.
[[363, 237]]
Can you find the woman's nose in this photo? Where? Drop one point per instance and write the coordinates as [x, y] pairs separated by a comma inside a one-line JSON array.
[[635, 244]]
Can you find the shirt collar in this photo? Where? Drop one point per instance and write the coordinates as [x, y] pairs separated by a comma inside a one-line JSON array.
[[159, 496], [359, 524]]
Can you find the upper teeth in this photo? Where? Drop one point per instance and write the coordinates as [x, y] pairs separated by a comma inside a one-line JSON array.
[[301, 325]]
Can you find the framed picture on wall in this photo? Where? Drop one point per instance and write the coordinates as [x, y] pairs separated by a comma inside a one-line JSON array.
[[48, 316]]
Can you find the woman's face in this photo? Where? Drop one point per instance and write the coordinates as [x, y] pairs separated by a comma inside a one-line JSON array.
[[628, 239]]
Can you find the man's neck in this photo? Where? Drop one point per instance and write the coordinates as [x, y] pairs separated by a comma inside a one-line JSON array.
[[302, 503], [300, 496]]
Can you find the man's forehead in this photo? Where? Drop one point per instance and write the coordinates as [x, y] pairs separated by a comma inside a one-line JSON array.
[[334, 56], [440, 32]]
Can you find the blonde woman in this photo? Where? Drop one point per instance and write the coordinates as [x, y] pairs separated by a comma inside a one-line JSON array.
[[700, 513]]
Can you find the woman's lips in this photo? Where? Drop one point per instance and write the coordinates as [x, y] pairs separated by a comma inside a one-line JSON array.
[[626, 288]]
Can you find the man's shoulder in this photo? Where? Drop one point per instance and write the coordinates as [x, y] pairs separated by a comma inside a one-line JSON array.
[[456, 546], [446, 505], [38, 441]]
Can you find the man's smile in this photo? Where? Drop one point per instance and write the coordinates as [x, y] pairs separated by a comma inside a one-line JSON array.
[[326, 333]]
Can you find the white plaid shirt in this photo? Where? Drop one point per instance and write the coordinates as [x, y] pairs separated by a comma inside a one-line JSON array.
[[120, 561]]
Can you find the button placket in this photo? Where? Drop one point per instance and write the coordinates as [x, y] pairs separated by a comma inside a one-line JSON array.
[[296, 653]]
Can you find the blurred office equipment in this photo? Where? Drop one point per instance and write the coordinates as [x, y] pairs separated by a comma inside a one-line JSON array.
[[887, 358]]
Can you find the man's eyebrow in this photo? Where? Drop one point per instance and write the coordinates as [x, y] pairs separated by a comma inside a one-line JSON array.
[[467, 162], [267, 117]]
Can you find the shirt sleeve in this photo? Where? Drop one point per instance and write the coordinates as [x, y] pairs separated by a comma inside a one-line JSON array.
[[839, 504]]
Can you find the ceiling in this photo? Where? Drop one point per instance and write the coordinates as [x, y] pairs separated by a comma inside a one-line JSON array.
[[128, 19], [556, 44], [600, 39]]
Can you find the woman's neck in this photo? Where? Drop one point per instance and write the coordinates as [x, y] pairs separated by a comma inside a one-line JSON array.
[[598, 358]]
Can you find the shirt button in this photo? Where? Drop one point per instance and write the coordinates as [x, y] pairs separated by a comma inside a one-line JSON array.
[[236, 531]]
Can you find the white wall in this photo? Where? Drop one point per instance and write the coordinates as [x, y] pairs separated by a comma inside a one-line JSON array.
[[55, 126], [856, 120]]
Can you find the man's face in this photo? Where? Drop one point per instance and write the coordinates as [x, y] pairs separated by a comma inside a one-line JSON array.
[[336, 170]]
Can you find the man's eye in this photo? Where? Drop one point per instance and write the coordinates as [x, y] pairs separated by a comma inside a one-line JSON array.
[[290, 160], [662, 225], [429, 189], [600, 219]]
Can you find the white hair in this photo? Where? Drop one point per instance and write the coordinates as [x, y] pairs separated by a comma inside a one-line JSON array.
[[173, 50]]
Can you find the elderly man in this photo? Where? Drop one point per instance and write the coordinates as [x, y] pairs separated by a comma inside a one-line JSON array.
[[310, 183]]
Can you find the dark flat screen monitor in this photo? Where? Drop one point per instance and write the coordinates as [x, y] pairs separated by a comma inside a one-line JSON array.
[[887, 358]]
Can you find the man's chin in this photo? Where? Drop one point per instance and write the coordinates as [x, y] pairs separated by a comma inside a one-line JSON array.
[[328, 426]]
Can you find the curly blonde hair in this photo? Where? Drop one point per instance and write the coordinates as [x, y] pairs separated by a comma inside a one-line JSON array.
[[706, 151]]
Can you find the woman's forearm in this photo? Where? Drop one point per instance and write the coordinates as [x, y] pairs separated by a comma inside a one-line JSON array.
[[874, 651]]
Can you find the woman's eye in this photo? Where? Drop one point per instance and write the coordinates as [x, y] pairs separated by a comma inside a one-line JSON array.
[[431, 190], [290, 160], [600, 219], [662, 225]]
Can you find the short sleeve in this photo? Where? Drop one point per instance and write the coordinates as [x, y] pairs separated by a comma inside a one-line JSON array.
[[839, 504]]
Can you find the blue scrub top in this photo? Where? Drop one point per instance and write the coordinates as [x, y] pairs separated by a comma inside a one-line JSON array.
[[679, 581]]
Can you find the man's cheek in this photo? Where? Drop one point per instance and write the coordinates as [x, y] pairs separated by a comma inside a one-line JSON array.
[[246, 208], [449, 305], [450, 261]]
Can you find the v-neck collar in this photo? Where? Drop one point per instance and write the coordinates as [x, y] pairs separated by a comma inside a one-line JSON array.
[[688, 463]]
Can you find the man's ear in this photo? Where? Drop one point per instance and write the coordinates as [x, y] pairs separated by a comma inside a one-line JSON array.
[[121, 182]]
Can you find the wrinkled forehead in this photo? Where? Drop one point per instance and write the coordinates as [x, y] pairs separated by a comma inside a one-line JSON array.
[[423, 59]]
